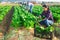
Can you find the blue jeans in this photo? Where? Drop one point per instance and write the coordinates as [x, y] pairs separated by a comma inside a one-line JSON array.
[[30, 8], [46, 22]]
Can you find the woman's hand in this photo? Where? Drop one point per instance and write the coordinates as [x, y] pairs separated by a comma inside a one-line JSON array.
[[39, 16], [44, 18]]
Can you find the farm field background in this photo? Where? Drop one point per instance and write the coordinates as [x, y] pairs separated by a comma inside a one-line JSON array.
[[21, 18]]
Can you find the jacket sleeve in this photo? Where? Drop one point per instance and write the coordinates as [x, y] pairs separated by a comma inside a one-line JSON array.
[[50, 16]]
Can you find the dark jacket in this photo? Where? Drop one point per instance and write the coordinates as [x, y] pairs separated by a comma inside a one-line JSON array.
[[47, 15]]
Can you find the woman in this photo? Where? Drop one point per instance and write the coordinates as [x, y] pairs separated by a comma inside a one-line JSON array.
[[48, 19], [30, 5]]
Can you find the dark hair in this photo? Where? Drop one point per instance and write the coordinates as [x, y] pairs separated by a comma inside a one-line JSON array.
[[46, 7], [48, 11]]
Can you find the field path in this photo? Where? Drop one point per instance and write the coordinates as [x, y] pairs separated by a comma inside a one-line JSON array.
[[7, 19], [22, 34]]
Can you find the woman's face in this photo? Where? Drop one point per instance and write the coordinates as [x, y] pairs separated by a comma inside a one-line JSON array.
[[45, 9]]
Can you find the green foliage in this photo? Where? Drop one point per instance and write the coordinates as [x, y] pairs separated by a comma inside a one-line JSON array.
[[37, 10], [21, 17], [3, 11], [41, 30]]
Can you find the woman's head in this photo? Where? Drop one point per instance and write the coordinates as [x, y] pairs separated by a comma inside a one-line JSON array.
[[45, 7]]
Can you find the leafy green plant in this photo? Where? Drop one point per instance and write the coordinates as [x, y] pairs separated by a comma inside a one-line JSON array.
[[3, 11], [21, 17]]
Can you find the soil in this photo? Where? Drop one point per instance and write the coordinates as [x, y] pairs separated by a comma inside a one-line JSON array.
[[22, 34], [6, 21]]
